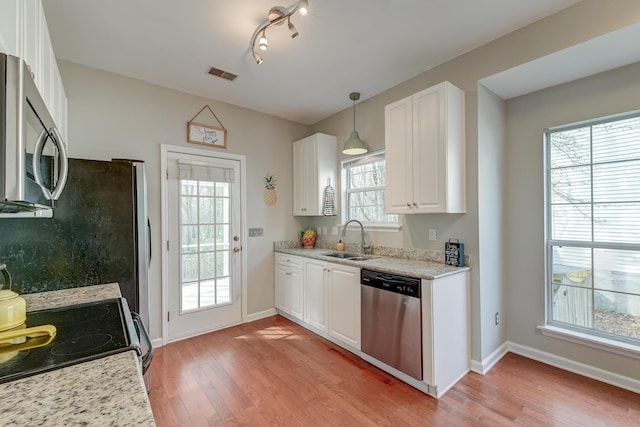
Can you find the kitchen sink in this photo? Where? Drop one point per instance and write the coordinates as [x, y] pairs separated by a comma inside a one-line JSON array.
[[351, 256]]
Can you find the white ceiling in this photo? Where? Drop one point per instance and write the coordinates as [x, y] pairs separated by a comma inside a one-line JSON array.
[[344, 45]]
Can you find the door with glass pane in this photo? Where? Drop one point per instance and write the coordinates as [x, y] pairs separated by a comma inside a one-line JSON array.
[[204, 244]]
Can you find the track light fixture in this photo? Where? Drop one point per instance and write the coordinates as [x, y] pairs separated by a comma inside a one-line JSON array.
[[277, 16]]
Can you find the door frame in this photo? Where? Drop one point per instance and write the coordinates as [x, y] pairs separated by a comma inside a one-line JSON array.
[[165, 149]]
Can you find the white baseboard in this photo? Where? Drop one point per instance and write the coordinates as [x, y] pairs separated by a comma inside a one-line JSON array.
[[559, 362], [486, 364], [261, 315], [156, 342], [576, 367]]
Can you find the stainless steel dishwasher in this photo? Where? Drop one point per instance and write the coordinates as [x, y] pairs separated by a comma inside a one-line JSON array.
[[392, 320]]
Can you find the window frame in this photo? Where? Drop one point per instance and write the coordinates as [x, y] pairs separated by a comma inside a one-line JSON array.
[[344, 167], [589, 336]]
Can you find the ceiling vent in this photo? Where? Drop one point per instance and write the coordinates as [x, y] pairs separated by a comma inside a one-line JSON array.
[[223, 74]]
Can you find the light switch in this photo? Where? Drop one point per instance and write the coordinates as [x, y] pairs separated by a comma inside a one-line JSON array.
[[255, 232]]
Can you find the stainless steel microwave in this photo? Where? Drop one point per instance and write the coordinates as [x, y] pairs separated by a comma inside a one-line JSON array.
[[33, 157]]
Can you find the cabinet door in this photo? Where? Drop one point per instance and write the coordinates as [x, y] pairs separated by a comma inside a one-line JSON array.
[[398, 156], [429, 156], [31, 36], [299, 178], [314, 165], [315, 294], [289, 290], [344, 304], [9, 27]]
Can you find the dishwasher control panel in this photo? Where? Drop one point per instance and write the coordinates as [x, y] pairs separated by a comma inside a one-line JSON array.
[[391, 282]]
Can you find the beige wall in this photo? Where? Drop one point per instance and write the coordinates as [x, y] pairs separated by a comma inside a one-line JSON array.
[[114, 116], [580, 23]]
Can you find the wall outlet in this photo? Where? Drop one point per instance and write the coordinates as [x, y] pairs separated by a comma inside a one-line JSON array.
[[497, 318], [319, 231], [334, 230], [432, 234]]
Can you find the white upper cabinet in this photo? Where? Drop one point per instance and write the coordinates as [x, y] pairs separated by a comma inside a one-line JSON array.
[[314, 164], [9, 19], [24, 33], [425, 152]]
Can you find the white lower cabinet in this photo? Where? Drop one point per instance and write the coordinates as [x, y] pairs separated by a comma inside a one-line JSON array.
[[315, 294], [445, 332], [289, 282], [325, 297], [332, 300], [344, 304]]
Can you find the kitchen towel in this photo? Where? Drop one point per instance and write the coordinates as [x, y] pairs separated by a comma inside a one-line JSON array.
[[329, 206]]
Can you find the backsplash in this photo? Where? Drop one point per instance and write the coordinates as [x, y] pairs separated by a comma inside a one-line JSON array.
[[406, 253]]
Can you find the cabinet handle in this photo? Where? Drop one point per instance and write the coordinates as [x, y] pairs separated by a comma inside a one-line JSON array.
[[287, 274], [408, 205], [415, 205]]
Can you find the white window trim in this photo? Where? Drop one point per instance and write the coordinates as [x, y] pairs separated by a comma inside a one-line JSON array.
[[552, 328], [344, 215], [612, 346]]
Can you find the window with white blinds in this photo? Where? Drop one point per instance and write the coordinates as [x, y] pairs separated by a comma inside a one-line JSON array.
[[593, 227]]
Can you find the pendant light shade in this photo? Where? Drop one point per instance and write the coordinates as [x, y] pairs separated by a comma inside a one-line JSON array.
[[354, 145]]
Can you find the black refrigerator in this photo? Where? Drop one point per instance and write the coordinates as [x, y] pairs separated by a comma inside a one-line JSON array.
[[99, 233]]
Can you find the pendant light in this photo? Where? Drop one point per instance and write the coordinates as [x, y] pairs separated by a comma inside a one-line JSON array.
[[354, 144]]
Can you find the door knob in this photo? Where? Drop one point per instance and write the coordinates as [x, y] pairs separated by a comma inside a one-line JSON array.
[[236, 249]]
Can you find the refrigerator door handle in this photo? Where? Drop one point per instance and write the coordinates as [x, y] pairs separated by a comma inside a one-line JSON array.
[[149, 238]]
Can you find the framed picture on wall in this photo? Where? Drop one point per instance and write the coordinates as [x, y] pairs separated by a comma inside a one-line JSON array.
[[206, 135]]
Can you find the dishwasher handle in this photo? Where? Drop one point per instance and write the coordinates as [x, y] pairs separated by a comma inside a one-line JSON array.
[[409, 286]]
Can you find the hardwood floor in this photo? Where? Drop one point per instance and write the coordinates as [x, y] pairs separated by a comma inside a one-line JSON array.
[[274, 372]]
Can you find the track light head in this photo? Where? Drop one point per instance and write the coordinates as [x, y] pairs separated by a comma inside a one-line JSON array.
[[257, 57], [263, 43], [304, 7], [293, 30]]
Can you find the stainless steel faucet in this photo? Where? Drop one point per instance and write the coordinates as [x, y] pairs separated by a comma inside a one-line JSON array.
[[344, 232]]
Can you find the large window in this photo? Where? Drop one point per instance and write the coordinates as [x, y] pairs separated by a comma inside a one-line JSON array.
[[365, 189], [593, 227]]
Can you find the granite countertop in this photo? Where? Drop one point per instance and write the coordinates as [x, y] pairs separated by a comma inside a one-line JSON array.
[[104, 392], [71, 296], [409, 267]]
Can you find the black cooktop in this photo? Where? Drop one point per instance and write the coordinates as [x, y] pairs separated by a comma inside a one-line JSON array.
[[84, 332]]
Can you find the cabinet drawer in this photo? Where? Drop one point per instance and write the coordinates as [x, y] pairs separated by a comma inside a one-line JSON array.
[[291, 260]]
